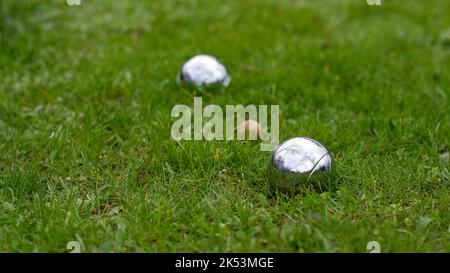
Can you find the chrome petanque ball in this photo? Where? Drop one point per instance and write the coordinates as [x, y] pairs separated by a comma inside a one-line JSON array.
[[204, 70], [300, 162]]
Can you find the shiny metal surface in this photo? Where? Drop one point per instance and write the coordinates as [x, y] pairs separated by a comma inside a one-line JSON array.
[[300, 162], [204, 70]]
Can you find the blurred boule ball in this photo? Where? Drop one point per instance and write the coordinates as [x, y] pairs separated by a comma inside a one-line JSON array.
[[204, 70]]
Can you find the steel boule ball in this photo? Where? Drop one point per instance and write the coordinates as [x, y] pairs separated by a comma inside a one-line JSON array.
[[204, 70], [300, 162]]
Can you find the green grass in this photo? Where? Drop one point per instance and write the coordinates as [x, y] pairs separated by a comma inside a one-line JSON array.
[[85, 148]]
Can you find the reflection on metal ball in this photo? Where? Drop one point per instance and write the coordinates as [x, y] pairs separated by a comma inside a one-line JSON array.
[[204, 70], [300, 162]]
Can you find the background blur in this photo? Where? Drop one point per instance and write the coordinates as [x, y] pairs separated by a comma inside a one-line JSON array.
[[85, 150]]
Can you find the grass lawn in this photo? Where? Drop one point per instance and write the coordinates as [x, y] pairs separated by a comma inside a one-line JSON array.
[[86, 155]]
